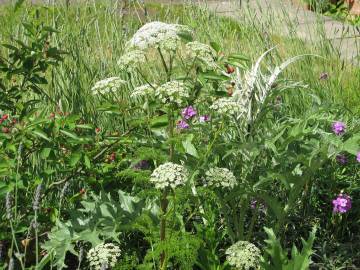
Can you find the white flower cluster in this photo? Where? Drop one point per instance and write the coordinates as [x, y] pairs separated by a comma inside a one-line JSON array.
[[107, 85], [131, 59], [172, 92], [158, 35], [227, 107], [220, 177], [202, 52], [244, 255], [145, 90], [169, 175], [103, 256]]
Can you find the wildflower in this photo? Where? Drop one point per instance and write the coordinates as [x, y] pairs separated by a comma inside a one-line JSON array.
[[227, 107], [220, 177], [173, 92], [341, 158], [144, 91], [202, 52], [130, 60], [97, 130], [142, 165], [181, 124], [169, 175], [103, 256], [342, 203], [338, 127], [8, 205], [37, 198], [107, 85], [243, 255], [358, 157], [189, 112], [158, 35], [204, 118]]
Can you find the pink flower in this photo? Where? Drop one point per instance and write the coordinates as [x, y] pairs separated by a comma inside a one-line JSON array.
[[342, 203], [358, 157], [189, 112], [204, 118], [338, 127], [181, 124]]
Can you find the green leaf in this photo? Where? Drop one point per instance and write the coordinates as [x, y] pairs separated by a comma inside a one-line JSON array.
[[45, 153], [216, 46], [41, 134], [87, 161], [70, 134], [74, 159], [189, 147], [352, 145], [159, 121]]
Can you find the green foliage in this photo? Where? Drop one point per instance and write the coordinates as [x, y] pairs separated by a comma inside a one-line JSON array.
[[277, 258]]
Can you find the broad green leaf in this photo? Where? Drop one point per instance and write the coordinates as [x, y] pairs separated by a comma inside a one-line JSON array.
[[74, 159], [41, 134], [189, 147]]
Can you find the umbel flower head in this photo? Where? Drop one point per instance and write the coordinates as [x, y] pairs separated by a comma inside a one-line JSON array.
[[130, 60], [145, 90], [227, 107], [107, 85], [202, 52], [169, 175], [172, 92], [158, 35], [103, 256], [220, 177], [342, 203], [243, 255]]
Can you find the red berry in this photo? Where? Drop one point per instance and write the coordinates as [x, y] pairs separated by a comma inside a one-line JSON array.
[[97, 130], [5, 130], [230, 69], [5, 116]]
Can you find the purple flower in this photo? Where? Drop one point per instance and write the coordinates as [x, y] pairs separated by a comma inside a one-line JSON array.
[[204, 118], [253, 203], [342, 203], [341, 159], [142, 165], [338, 127], [358, 157], [181, 124], [188, 112]]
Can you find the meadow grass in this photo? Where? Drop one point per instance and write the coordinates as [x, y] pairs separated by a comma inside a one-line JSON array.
[[94, 35]]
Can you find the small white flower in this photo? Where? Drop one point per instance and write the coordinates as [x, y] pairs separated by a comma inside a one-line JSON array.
[[172, 92], [158, 35], [103, 255], [130, 60], [169, 175], [244, 255], [144, 91], [227, 107], [202, 52], [107, 85], [220, 177]]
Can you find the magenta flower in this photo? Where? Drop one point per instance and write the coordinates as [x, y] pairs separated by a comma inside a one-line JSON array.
[[341, 159], [342, 203], [338, 127], [358, 157], [189, 112], [204, 118], [181, 124]]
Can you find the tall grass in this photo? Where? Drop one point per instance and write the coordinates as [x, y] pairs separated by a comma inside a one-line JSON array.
[[94, 33]]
